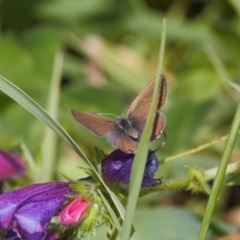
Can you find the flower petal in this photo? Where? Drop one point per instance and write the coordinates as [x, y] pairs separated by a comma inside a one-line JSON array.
[[116, 167], [30, 209], [74, 212], [12, 235], [151, 168], [10, 165]]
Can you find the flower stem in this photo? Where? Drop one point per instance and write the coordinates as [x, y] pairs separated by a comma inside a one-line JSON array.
[[193, 150]]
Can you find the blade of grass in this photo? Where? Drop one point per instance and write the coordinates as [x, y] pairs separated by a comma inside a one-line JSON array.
[[30, 161], [235, 6], [111, 212], [107, 60], [49, 144], [211, 173], [220, 175], [142, 151], [216, 61], [233, 85], [26, 102]]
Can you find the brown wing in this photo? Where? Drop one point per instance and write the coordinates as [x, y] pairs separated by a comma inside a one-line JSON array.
[[98, 124], [141, 104], [158, 126], [121, 140]]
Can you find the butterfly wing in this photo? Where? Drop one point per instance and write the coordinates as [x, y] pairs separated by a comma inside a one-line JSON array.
[[96, 123], [121, 140], [105, 127], [141, 104], [158, 125], [139, 109]]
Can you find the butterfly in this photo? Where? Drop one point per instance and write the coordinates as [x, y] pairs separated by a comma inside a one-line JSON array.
[[125, 133]]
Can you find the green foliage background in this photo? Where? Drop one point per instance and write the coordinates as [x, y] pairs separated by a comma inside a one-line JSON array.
[[110, 53]]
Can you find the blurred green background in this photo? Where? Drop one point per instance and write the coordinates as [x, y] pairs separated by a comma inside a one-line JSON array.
[[110, 53]]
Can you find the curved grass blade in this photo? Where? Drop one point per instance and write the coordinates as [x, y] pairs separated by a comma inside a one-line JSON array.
[[142, 151], [25, 101], [111, 212]]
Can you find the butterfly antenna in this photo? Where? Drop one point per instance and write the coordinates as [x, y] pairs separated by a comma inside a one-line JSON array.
[[110, 114], [163, 143], [125, 110]]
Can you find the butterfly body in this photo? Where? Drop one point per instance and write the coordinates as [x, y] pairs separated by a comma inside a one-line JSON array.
[[125, 133], [126, 126]]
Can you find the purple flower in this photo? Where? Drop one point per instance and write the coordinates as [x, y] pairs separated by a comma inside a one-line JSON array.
[[116, 167], [10, 165], [28, 211], [11, 235]]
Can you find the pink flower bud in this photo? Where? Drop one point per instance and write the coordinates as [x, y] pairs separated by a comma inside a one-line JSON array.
[[74, 212]]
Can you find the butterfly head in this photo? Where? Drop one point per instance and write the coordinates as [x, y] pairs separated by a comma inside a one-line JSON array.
[[127, 127]]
